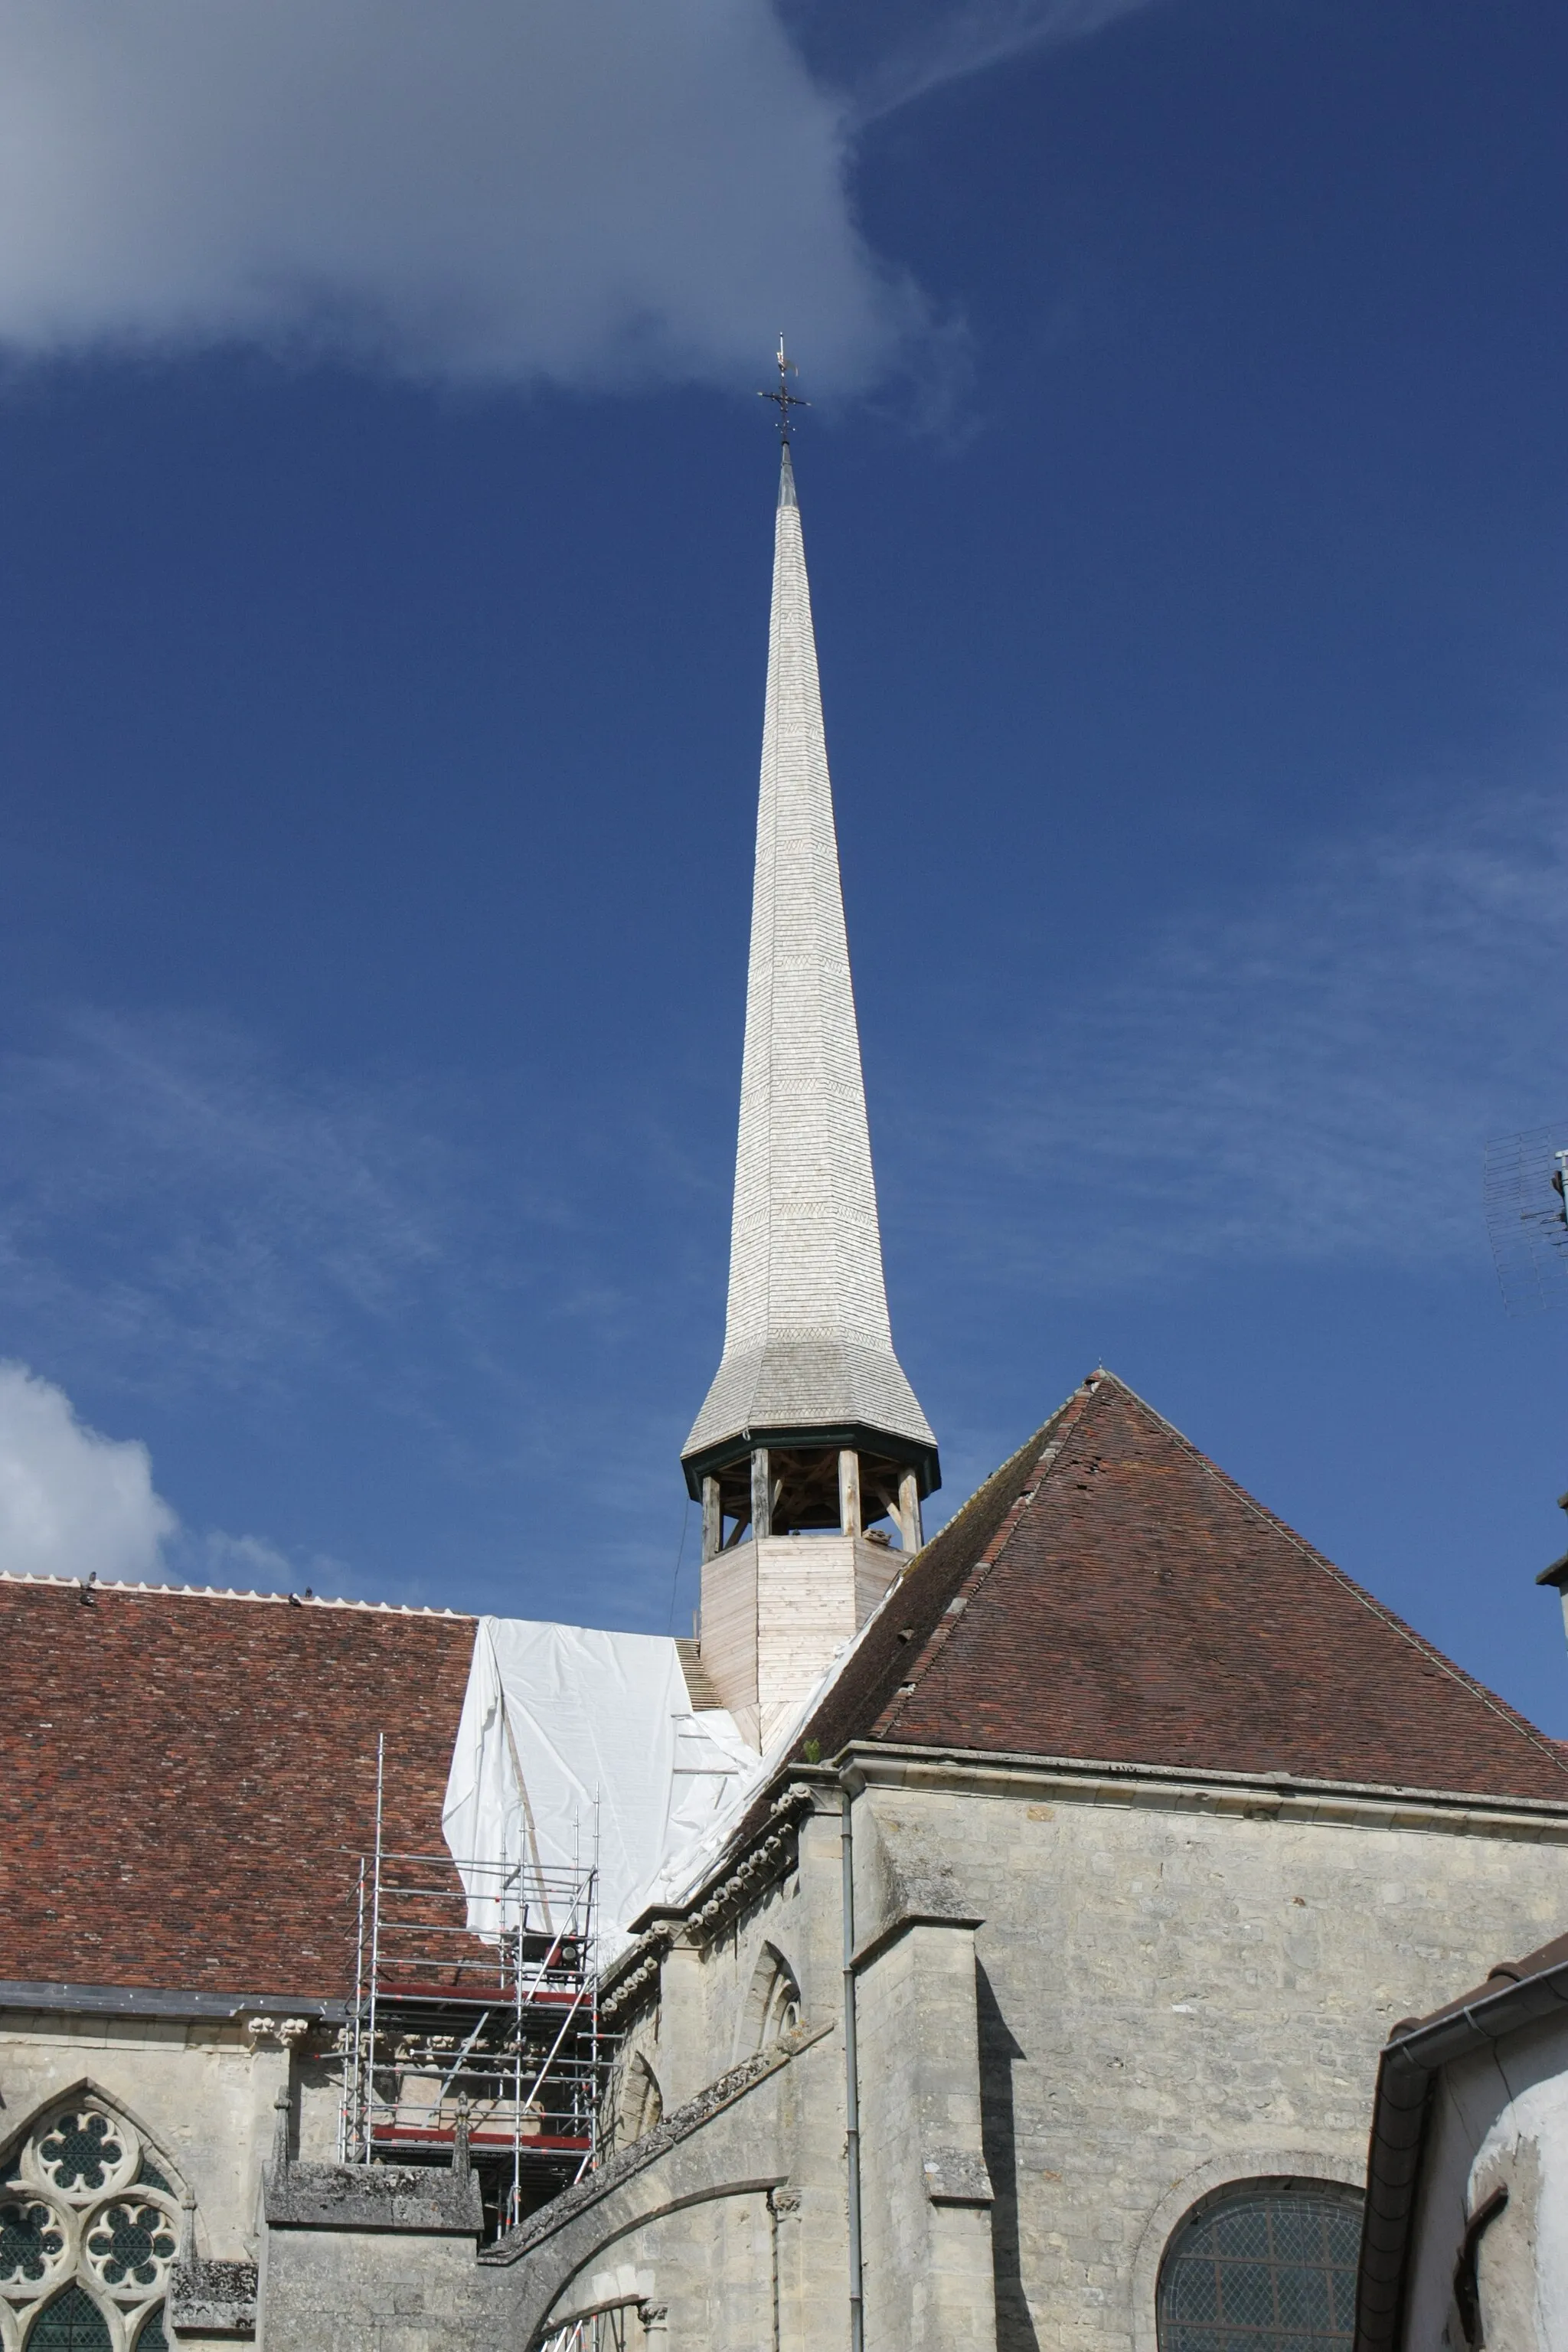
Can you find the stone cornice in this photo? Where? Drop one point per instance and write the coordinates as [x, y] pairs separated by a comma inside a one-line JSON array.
[[768, 1854], [1170, 1789]]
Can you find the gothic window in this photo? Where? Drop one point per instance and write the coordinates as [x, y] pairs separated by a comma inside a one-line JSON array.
[[71, 2323], [642, 2102], [773, 2004], [1263, 2266], [90, 2228]]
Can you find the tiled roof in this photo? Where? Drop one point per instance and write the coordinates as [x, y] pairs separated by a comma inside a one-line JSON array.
[[1110, 1596], [187, 1779]]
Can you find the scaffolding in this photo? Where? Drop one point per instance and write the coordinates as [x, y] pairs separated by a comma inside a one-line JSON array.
[[493, 2028]]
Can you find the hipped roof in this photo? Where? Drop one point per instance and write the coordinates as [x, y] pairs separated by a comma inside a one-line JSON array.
[[1111, 1595]]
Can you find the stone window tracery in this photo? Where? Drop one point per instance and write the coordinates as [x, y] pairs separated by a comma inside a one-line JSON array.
[[1263, 2266], [89, 2229]]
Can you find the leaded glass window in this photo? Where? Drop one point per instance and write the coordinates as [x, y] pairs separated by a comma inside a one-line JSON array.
[[72, 2323], [90, 2228], [1265, 2266]]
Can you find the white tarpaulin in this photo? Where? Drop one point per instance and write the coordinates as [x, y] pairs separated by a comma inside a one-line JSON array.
[[563, 1726]]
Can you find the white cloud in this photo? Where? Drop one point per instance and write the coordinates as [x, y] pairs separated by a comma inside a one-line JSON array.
[[72, 1502], [577, 191]]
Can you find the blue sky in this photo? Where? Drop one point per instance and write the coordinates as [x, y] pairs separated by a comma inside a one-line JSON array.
[[383, 610]]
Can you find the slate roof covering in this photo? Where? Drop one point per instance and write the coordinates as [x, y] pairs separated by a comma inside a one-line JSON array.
[[1111, 1596], [187, 1779]]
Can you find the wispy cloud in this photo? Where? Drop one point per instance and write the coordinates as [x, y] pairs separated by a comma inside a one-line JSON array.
[[185, 1224], [947, 43], [1309, 1081], [170, 1199]]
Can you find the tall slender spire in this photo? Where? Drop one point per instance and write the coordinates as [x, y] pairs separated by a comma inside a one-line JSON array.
[[808, 1357]]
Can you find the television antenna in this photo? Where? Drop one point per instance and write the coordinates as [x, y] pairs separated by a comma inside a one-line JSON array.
[[1525, 1190]]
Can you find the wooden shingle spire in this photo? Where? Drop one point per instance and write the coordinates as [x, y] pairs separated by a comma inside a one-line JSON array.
[[808, 1358]]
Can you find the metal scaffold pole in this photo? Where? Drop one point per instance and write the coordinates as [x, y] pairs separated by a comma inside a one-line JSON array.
[[374, 1941], [475, 1996]]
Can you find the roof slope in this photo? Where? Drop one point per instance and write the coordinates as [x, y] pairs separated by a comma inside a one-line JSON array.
[[1111, 1595], [188, 1778]]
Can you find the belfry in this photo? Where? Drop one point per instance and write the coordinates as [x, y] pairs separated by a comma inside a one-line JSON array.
[[979, 1944], [810, 1433]]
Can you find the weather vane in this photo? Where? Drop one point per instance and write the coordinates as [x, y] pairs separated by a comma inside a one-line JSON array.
[[784, 398]]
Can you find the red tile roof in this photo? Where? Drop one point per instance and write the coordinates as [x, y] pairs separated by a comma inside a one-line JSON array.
[[1110, 1596], [188, 1778]]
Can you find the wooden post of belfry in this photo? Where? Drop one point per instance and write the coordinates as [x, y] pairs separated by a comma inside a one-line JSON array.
[[713, 1520], [910, 1510], [849, 1492], [761, 1494]]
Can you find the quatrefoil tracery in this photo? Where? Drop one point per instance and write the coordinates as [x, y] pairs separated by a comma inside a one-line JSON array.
[[35, 2241], [82, 2197]]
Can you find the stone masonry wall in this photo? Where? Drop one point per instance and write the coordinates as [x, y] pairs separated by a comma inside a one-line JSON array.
[[1168, 1998]]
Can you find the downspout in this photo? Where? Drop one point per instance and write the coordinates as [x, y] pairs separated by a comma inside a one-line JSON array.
[[851, 2076]]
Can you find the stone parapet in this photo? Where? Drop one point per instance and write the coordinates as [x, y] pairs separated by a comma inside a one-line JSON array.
[[372, 2197], [213, 2298]]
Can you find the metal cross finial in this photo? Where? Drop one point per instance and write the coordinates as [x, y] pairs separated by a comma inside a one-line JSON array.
[[784, 398]]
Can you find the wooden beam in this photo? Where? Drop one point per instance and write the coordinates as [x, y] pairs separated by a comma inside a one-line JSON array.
[[761, 1494], [712, 1520], [849, 1493], [910, 1510]]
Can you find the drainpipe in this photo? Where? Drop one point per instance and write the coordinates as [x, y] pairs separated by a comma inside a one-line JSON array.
[[851, 2074]]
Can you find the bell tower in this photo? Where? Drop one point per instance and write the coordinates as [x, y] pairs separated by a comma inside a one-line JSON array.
[[811, 1456]]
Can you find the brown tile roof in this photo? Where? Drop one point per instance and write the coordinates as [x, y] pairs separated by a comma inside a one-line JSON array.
[[187, 1779], [1110, 1595]]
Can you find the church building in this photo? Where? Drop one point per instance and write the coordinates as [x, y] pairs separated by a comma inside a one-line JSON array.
[[986, 1942]]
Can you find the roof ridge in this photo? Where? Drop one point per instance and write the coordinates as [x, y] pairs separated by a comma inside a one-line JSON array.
[[1062, 1421], [226, 1592], [1357, 1591]]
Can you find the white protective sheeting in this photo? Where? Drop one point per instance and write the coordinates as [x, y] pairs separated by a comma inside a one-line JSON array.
[[591, 1721]]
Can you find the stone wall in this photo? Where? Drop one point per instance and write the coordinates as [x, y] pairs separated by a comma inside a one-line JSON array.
[[200, 2092], [1175, 1986], [1085, 1998]]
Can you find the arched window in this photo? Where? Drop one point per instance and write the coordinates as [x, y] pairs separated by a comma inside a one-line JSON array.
[[90, 2228], [1263, 2266], [642, 2100], [773, 2003]]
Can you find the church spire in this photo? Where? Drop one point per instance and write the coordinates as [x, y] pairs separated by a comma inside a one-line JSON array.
[[810, 1422]]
